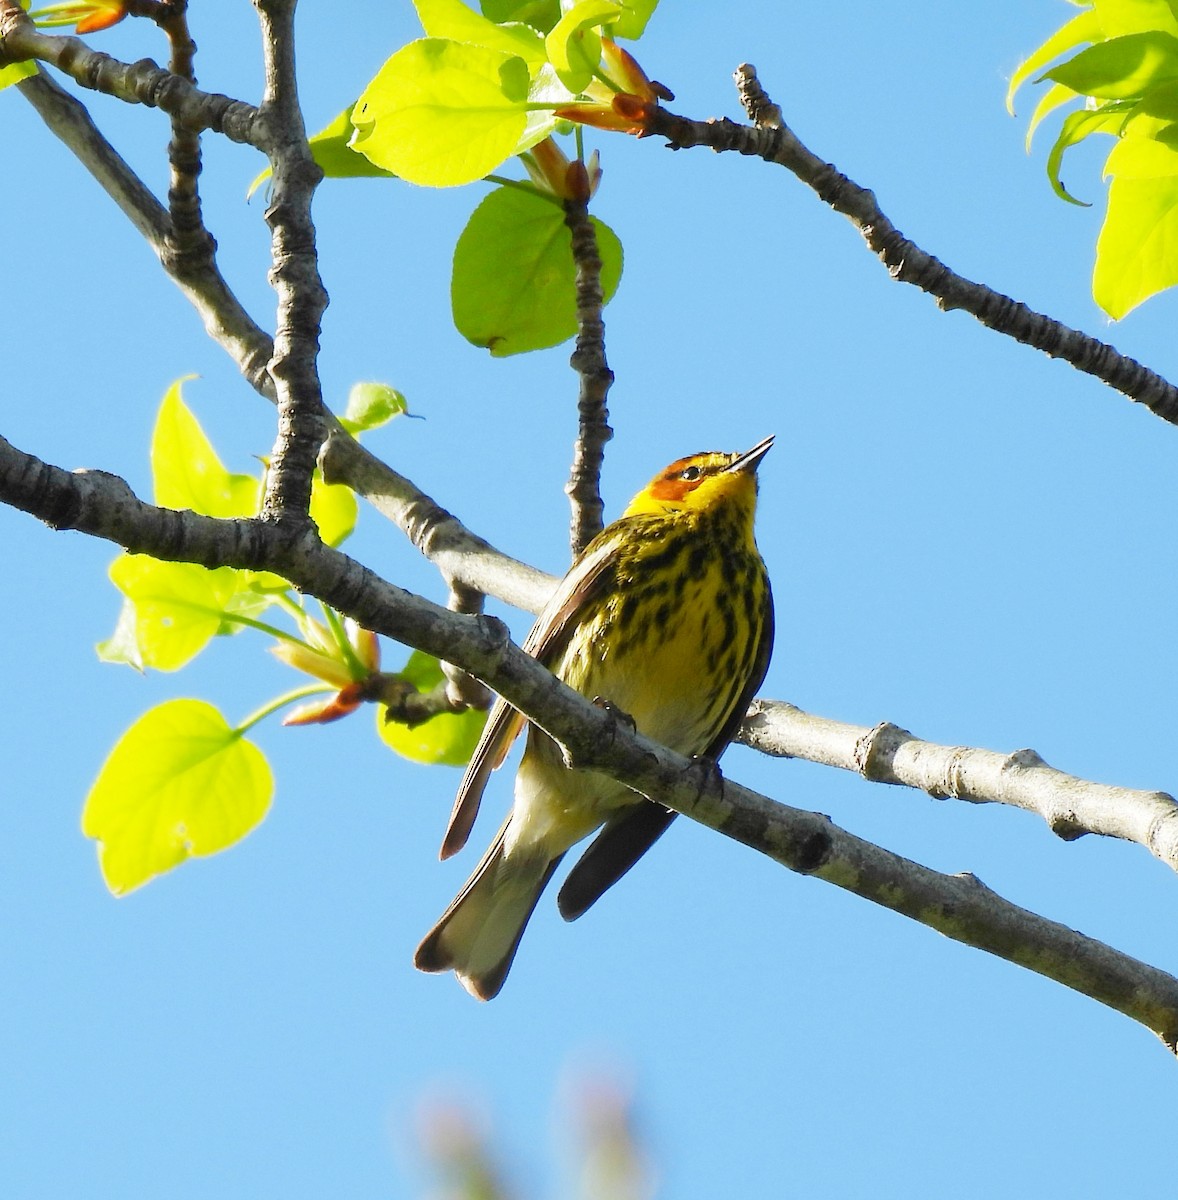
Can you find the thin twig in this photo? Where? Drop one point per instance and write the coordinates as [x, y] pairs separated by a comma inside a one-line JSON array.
[[225, 320], [462, 689], [190, 239], [294, 275], [136, 83], [958, 906], [775, 142], [584, 486]]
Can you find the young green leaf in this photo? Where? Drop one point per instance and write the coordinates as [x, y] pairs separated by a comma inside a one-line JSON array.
[[1077, 126], [370, 405], [186, 469], [448, 739], [178, 784], [1121, 68], [1082, 28], [15, 72], [1118, 17], [440, 113], [512, 287], [574, 45], [1137, 251], [333, 509], [452, 19], [179, 608], [122, 647], [330, 149], [635, 14], [539, 14]]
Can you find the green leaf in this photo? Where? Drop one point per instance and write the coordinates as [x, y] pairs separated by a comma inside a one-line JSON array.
[[122, 647], [15, 72], [330, 149], [179, 784], [186, 469], [1077, 126], [1082, 28], [635, 14], [1051, 99], [441, 113], [1121, 68], [1143, 157], [448, 739], [370, 405], [512, 287], [539, 14], [452, 19], [574, 45], [179, 608], [333, 509], [1137, 251], [1118, 17]]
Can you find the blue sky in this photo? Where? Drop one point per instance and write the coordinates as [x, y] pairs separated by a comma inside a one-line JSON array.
[[965, 538]]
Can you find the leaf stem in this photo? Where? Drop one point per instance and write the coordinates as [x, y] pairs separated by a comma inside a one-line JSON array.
[[355, 667], [314, 689]]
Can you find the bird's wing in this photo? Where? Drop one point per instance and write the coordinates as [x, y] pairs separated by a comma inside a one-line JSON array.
[[625, 838], [544, 643]]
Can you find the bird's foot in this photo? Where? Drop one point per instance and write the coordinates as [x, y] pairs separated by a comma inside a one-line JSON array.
[[619, 715]]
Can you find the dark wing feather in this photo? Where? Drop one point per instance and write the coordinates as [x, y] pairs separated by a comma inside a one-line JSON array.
[[544, 643], [627, 837]]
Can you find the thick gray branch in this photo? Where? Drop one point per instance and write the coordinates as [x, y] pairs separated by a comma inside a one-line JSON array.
[[294, 275], [775, 142], [958, 906], [461, 556]]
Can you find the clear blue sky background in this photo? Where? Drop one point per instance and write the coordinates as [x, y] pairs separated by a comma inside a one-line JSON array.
[[966, 538]]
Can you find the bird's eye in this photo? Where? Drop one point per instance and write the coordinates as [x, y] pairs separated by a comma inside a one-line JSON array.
[[690, 474]]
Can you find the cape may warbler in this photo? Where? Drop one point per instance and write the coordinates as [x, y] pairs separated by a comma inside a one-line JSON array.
[[668, 616]]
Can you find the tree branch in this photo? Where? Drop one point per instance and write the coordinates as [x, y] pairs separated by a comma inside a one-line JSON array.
[[462, 557], [294, 275], [588, 360], [958, 906], [224, 318], [190, 239], [138, 83], [775, 142], [885, 753]]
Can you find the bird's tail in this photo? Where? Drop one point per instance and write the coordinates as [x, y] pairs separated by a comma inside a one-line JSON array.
[[477, 936]]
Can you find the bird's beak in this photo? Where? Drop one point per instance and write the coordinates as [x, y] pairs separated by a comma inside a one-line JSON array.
[[750, 460]]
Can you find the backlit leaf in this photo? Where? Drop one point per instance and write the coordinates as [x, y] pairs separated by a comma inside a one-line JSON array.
[[1121, 68], [370, 405], [448, 739], [179, 607], [1082, 28], [179, 784], [186, 469], [452, 19], [1137, 251], [15, 72], [441, 113], [574, 44]]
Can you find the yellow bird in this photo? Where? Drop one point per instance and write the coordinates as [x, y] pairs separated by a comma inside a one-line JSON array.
[[666, 615]]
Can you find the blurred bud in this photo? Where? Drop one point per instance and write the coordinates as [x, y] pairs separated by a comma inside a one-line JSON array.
[[323, 712], [87, 17]]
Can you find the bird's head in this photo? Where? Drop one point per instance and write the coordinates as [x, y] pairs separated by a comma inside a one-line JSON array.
[[702, 482]]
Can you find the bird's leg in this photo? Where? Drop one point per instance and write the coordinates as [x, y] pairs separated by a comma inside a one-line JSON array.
[[614, 711], [708, 771]]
